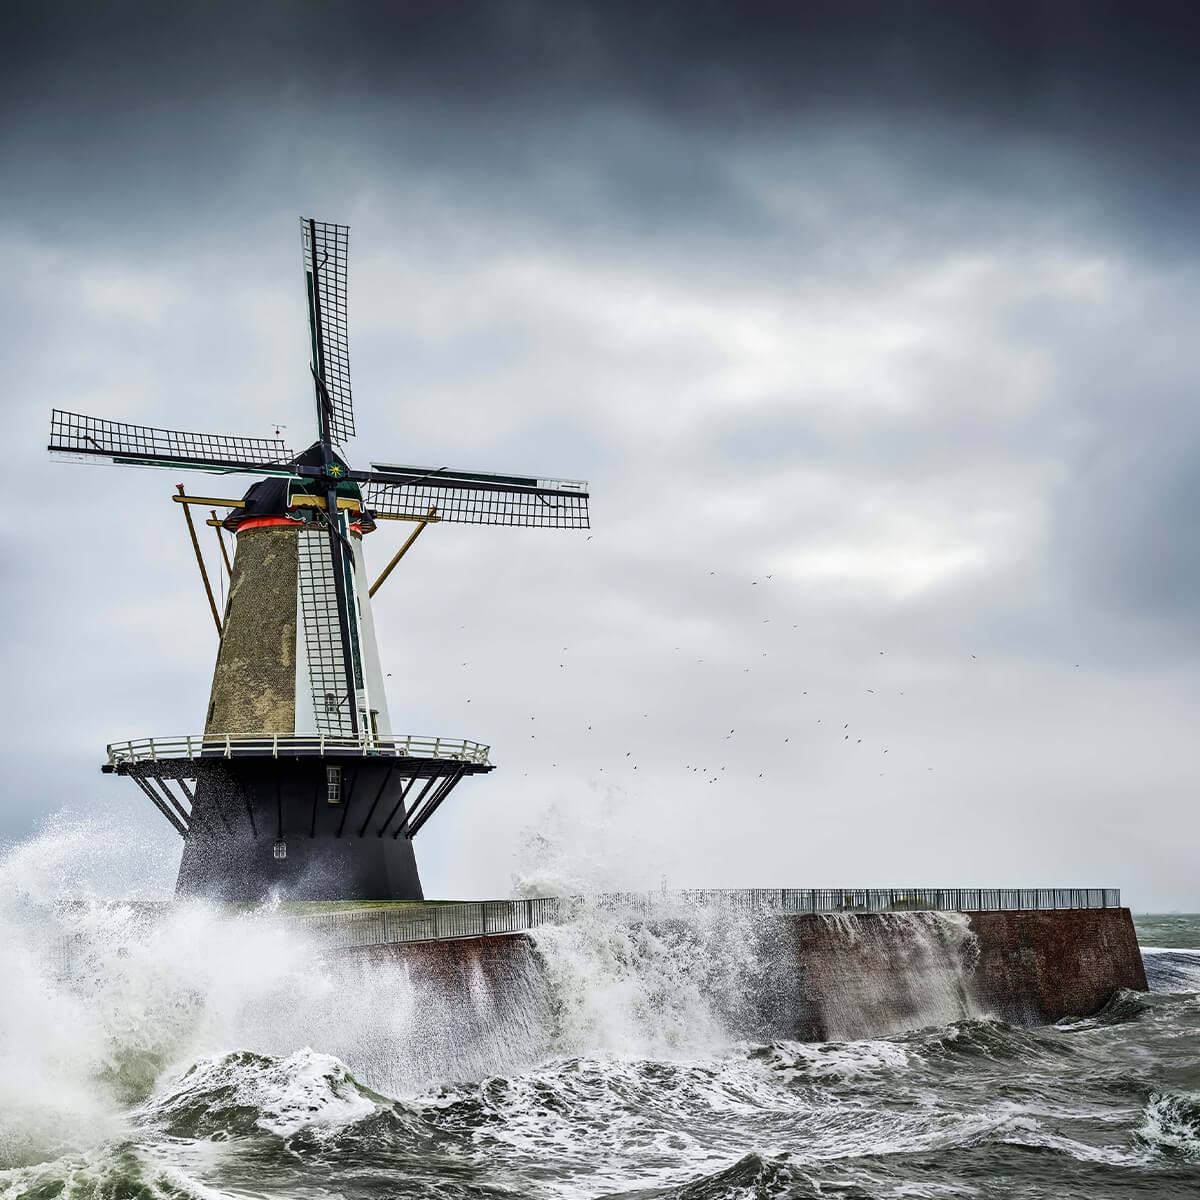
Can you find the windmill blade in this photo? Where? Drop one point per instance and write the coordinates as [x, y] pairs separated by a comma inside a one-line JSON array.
[[74, 435], [325, 248], [475, 497]]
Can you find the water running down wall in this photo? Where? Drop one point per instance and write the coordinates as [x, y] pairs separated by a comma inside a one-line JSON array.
[[758, 978]]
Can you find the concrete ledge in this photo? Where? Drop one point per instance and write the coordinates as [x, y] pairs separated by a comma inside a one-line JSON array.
[[823, 977]]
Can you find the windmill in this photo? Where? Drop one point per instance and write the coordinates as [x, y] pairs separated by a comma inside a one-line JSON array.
[[297, 786]]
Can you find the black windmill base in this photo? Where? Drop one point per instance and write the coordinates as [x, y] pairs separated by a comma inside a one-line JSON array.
[[257, 828]]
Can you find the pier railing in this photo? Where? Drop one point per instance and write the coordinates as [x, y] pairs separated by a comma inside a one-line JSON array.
[[385, 925]]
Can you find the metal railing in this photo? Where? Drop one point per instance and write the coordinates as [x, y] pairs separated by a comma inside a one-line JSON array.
[[484, 918], [274, 745], [818, 900], [429, 922]]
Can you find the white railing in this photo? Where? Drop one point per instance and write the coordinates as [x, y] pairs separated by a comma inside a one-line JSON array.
[[290, 745]]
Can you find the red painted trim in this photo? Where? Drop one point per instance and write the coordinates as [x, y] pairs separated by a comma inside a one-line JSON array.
[[275, 522], [265, 522]]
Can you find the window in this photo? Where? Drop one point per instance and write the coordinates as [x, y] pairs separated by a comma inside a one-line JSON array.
[[280, 849], [333, 782], [331, 702]]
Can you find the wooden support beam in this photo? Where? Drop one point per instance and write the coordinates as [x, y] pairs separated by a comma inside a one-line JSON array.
[[187, 512], [221, 543], [412, 537], [406, 517], [182, 499]]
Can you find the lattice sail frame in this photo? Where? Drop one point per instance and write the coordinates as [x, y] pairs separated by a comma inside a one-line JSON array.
[[145, 445], [543, 507], [330, 254]]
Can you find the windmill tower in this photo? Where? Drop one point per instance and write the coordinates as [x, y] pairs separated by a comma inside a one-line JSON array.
[[298, 786]]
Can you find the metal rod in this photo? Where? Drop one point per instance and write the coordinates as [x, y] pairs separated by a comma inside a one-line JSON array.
[[189, 818], [412, 537], [187, 512], [387, 776], [221, 543], [408, 787], [403, 792], [435, 802], [404, 825], [180, 828]]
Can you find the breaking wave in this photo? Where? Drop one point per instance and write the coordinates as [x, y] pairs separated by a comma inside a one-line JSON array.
[[1172, 1124], [699, 1054]]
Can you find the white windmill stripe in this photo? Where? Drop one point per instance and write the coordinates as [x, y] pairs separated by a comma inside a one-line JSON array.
[[322, 636], [376, 696]]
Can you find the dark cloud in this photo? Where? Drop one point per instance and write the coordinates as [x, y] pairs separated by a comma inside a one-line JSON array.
[[179, 103]]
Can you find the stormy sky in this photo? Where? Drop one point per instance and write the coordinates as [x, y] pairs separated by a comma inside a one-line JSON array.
[[871, 325]]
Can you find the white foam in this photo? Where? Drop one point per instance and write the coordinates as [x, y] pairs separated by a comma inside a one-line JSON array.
[[1171, 1121], [303, 1090], [868, 1059]]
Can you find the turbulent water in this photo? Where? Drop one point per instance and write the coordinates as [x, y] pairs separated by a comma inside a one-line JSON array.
[[195, 1054]]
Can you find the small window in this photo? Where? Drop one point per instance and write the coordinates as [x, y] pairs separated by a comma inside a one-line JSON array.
[[331, 702], [333, 781], [280, 849]]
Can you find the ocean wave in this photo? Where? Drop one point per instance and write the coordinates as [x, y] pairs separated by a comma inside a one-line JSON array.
[[1171, 1124], [806, 1062], [1124, 1006], [117, 1172], [987, 1040], [1171, 970], [752, 1177], [241, 1092]]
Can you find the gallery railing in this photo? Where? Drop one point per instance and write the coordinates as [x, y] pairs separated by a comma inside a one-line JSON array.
[[383, 925], [272, 745]]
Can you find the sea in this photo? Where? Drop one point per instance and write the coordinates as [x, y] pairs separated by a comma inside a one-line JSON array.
[[184, 1051]]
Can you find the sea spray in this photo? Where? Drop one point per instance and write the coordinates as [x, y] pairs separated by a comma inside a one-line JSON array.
[[658, 981], [876, 974]]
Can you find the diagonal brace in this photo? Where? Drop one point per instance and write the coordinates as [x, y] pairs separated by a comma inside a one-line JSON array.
[[412, 537]]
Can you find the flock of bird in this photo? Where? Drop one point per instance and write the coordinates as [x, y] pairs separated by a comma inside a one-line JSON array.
[[714, 774]]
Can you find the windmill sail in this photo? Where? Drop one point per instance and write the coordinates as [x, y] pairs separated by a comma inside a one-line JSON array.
[[476, 497], [74, 434], [325, 251], [333, 709]]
